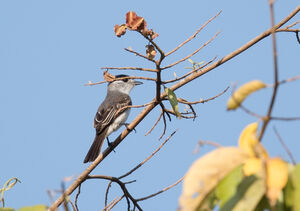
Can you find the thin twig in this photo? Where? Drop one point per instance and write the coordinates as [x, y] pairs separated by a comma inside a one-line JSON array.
[[165, 125], [138, 54], [203, 142], [288, 30], [183, 101], [284, 146], [196, 51], [149, 157], [161, 191], [112, 203], [286, 80], [121, 184], [271, 117], [129, 68], [274, 94], [189, 73], [183, 114], [106, 192], [76, 197], [285, 118], [118, 79], [248, 111], [293, 24], [73, 206], [193, 36], [154, 124]]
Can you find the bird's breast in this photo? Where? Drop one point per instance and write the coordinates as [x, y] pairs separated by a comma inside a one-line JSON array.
[[118, 122]]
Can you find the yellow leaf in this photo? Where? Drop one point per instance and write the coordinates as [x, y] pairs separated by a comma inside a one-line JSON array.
[[252, 166], [205, 173], [277, 177], [248, 139], [241, 94]]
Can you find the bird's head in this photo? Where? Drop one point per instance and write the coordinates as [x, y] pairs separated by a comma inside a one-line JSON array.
[[124, 85]]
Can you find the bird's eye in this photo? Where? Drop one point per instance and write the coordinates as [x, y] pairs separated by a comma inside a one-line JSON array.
[[125, 80]]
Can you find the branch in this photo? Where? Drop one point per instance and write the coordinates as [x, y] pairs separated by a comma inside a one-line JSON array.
[[275, 63], [138, 54], [161, 191], [148, 158], [189, 73], [193, 36], [118, 79], [129, 68], [112, 203], [202, 143], [154, 124], [297, 77], [183, 101], [122, 186], [284, 146]]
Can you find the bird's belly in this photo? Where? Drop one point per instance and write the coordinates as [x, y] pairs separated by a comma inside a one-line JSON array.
[[119, 121]]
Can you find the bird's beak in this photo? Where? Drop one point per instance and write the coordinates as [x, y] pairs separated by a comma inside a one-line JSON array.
[[137, 83]]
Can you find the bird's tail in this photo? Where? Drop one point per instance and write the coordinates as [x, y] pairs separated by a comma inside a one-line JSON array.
[[95, 149]]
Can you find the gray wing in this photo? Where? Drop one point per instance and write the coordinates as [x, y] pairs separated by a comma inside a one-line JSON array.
[[106, 114]]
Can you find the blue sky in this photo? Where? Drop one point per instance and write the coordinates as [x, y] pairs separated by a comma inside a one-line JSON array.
[[50, 49]]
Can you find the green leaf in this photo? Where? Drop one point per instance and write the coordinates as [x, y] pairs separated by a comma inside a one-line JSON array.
[[263, 204], [292, 190], [296, 181], [173, 101], [228, 186], [248, 195], [39, 207], [7, 209]]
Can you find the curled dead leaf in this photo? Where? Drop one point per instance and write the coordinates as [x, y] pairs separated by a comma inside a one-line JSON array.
[[120, 30], [151, 52], [135, 22], [108, 77]]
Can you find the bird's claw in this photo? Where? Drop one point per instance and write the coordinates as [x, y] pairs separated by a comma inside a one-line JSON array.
[[109, 144], [126, 125]]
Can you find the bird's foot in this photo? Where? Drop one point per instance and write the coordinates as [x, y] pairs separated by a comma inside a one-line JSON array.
[[109, 144], [126, 125]]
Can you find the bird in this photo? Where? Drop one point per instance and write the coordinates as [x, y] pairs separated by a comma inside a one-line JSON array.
[[110, 116]]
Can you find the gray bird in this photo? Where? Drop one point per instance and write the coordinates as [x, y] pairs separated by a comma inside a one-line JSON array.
[[109, 118]]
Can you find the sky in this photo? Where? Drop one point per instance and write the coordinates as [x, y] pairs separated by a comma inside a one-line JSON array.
[[50, 49]]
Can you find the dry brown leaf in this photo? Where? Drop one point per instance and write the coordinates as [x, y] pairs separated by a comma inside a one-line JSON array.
[[108, 77], [120, 30], [135, 22], [151, 52], [130, 17]]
